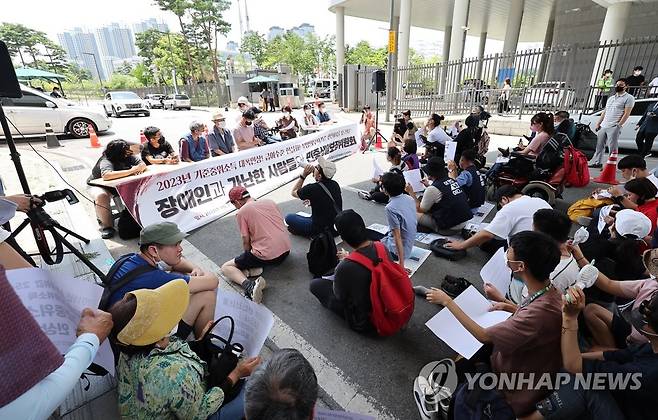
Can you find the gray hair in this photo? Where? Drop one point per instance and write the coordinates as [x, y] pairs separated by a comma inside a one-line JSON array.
[[196, 125], [283, 388]]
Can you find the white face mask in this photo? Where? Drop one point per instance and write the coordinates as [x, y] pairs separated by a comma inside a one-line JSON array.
[[222, 124], [307, 112], [286, 114]]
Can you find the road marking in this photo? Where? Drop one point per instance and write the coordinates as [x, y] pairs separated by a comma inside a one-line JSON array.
[[330, 378]]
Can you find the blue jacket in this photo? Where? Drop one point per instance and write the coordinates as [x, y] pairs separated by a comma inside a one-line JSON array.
[[197, 150], [649, 124], [221, 140]]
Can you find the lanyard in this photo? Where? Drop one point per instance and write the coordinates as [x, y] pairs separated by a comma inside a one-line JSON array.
[[535, 296]]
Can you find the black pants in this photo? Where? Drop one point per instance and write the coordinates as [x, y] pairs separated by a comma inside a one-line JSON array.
[[600, 101], [323, 290], [644, 141]]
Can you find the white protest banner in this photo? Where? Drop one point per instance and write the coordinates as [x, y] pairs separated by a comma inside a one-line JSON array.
[[445, 326], [253, 322], [56, 302], [198, 194], [450, 151]]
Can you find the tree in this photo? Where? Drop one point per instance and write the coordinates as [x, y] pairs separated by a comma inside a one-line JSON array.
[[143, 73], [363, 53], [21, 39], [255, 45], [146, 42], [121, 81], [125, 68], [170, 55], [180, 8]]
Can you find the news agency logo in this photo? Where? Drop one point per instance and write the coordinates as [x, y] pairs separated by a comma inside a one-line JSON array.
[[595, 381], [434, 387]]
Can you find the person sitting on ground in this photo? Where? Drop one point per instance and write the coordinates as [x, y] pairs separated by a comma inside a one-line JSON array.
[[157, 150], [402, 126], [454, 129], [563, 124], [469, 137], [619, 403], [160, 376], [527, 343], [410, 159], [220, 139], [117, 161], [556, 225], [37, 378], [194, 146], [265, 242], [401, 218], [287, 124], [323, 115], [444, 206], [433, 137], [310, 121], [348, 294], [642, 193], [514, 215], [244, 135], [323, 196], [608, 329], [394, 157], [283, 387], [160, 247], [469, 179], [632, 167]]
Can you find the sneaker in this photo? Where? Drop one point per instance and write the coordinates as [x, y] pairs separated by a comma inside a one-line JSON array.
[[252, 272], [647, 156], [107, 233], [426, 401], [364, 195], [595, 165], [421, 290], [248, 286], [504, 152], [257, 289]]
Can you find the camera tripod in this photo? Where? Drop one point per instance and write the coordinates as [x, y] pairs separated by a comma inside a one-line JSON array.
[[40, 221], [377, 132]]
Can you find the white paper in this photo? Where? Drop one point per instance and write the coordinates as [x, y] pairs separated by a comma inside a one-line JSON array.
[[427, 238], [413, 262], [378, 227], [496, 272], [377, 170], [253, 322], [445, 326], [501, 159], [413, 177], [56, 302], [482, 213], [324, 414], [450, 150]]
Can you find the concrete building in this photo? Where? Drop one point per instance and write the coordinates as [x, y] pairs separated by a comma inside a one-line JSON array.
[[116, 41], [147, 24], [274, 31], [512, 21], [81, 46]]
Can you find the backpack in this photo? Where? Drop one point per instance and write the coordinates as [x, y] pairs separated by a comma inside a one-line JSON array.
[[127, 226], [576, 171], [391, 294], [321, 255], [552, 155], [110, 287]]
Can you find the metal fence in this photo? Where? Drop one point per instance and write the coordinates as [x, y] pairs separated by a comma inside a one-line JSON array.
[[559, 77]]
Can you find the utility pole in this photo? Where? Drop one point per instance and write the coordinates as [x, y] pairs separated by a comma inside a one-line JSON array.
[[98, 71], [240, 15], [246, 14]]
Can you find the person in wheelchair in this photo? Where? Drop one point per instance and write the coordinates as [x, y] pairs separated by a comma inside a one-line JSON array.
[[261, 130]]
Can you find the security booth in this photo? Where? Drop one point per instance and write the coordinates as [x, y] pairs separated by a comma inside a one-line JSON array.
[[259, 83], [289, 94]]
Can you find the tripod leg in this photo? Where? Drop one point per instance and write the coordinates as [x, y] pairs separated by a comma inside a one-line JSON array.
[[77, 253], [20, 227], [70, 232]]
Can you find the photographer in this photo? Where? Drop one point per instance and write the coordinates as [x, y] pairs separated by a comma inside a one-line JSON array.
[[433, 136]]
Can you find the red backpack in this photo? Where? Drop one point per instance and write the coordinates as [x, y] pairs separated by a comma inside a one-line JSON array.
[[576, 171], [391, 294]]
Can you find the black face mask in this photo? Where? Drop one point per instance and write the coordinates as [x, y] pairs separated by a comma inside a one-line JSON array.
[[248, 123], [619, 89]]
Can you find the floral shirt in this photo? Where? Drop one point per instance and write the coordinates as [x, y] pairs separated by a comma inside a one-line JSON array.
[[166, 384]]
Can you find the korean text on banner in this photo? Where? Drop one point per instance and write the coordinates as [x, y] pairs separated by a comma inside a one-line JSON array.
[[197, 194]]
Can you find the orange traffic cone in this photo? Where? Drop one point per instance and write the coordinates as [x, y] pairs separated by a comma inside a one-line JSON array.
[[378, 142], [609, 171], [93, 138], [142, 137]]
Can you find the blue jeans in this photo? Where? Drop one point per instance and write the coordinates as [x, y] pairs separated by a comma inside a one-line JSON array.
[[301, 225], [233, 410]]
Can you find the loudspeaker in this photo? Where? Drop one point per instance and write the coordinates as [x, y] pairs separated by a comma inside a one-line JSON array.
[[9, 87], [378, 81]]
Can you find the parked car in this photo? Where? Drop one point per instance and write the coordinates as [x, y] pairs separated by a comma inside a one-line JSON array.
[[154, 100], [179, 101], [31, 112], [121, 103], [549, 95], [627, 135]]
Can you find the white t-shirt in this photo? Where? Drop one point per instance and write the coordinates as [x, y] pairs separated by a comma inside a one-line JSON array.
[[654, 181], [516, 216], [563, 277]]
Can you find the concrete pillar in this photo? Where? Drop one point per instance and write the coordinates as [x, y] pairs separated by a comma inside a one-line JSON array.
[[458, 35], [514, 19], [340, 39], [614, 28], [548, 42], [404, 33], [447, 34], [483, 44]]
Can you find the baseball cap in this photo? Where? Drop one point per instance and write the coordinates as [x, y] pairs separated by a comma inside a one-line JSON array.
[[243, 100], [218, 116], [158, 312], [237, 193], [328, 167], [631, 222], [163, 233]]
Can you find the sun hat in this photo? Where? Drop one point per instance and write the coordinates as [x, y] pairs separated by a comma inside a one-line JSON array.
[[238, 193], [328, 167], [218, 116], [243, 100], [163, 233], [158, 312], [631, 222]]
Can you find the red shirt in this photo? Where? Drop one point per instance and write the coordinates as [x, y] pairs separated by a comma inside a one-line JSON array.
[[650, 209]]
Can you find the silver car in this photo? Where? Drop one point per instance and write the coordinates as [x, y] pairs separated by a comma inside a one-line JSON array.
[[179, 101]]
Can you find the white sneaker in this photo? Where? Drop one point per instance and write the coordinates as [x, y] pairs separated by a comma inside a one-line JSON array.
[[426, 401], [257, 292]]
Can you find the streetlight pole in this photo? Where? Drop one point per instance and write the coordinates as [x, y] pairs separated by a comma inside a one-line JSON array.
[[98, 71]]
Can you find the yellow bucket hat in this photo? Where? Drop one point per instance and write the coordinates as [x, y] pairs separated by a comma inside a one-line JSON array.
[[158, 312]]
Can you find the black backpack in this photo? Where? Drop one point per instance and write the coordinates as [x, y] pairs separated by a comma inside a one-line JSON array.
[[127, 226], [321, 255]]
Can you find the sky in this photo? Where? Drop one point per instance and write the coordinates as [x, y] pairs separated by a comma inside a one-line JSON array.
[[58, 16]]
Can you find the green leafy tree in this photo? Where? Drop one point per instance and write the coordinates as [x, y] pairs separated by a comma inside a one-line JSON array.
[[255, 44], [125, 68], [144, 74], [180, 9], [15, 36], [122, 81], [170, 55], [146, 42], [364, 53]]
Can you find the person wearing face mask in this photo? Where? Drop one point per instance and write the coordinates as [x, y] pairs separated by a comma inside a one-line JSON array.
[[244, 135], [220, 139], [160, 260], [635, 80], [287, 124], [617, 110], [310, 121], [157, 150], [323, 115]]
